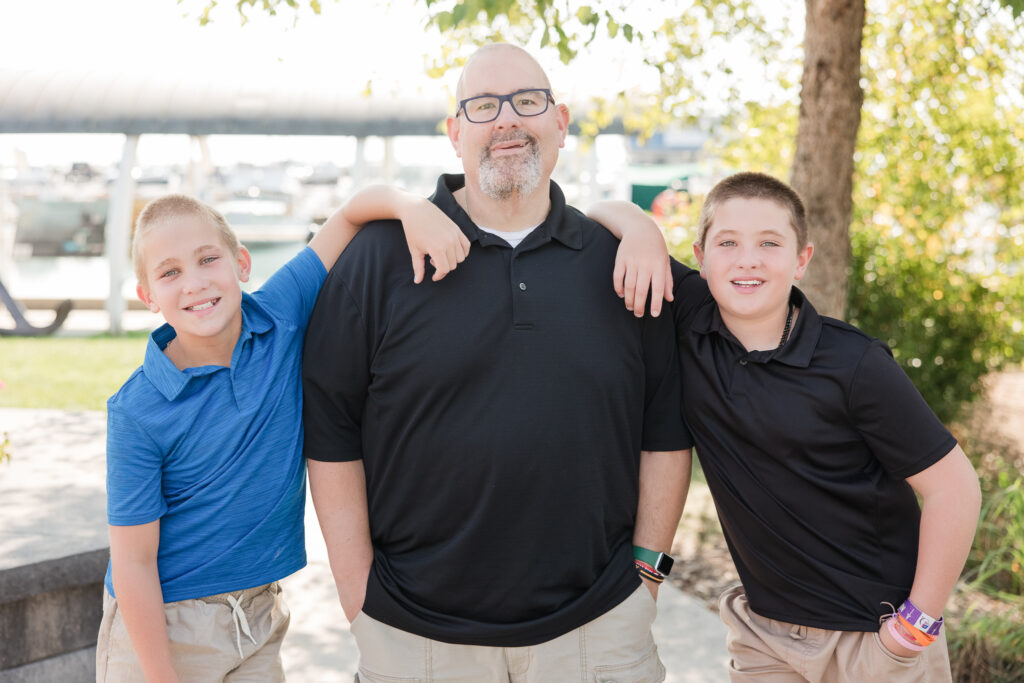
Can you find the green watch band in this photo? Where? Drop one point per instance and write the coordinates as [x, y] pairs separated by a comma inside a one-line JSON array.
[[660, 561]]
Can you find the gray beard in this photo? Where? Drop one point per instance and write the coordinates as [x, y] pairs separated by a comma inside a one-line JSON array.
[[500, 180]]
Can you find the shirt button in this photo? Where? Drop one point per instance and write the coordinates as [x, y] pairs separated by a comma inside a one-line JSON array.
[[522, 286], [743, 361]]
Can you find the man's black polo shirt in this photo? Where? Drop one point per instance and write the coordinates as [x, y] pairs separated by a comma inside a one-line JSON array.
[[806, 450], [500, 415]]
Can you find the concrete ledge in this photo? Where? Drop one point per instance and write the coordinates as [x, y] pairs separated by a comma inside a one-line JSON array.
[[73, 667], [24, 581], [50, 608], [53, 543]]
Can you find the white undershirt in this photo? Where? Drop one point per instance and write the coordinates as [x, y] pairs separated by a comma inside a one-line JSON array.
[[513, 238]]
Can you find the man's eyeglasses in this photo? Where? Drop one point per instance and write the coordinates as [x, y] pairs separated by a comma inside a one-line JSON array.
[[485, 108]]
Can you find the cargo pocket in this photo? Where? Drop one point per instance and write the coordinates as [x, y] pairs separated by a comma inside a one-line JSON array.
[[886, 658], [647, 669]]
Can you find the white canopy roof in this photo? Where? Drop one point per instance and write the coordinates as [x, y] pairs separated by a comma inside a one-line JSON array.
[[91, 101]]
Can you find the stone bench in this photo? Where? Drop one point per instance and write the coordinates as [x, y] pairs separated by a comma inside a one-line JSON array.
[[49, 616], [53, 545]]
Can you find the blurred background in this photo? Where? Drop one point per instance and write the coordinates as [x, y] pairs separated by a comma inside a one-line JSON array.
[[901, 122]]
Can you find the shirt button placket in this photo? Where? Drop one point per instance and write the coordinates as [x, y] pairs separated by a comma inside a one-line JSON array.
[[522, 317], [517, 290], [519, 303]]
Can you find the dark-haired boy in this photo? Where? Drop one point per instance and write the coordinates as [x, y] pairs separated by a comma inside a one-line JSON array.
[[813, 442]]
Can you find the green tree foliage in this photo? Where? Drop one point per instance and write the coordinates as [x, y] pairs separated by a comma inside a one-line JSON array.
[[1016, 6], [938, 224], [271, 7], [937, 231], [690, 45], [938, 227]]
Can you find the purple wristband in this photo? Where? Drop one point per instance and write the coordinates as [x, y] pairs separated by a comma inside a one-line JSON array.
[[919, 620]]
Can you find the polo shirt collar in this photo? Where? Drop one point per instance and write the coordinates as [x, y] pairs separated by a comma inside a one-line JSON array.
[[797, 351], [560, 224], [168, 379]]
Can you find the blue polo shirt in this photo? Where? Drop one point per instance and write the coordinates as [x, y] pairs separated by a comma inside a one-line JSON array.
[[215, 453]]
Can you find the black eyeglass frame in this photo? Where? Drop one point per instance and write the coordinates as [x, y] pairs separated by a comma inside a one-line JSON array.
[[502, 99]]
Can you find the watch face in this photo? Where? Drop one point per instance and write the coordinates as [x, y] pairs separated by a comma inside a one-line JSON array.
[[665, 564]]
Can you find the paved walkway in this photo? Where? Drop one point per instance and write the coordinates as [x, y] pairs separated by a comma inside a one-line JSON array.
[[1006, 406], [55, 484]]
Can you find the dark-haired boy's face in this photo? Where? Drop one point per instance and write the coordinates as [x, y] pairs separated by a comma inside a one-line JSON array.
[[751, 258]]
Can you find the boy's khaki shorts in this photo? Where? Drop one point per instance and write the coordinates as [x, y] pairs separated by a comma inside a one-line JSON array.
[[209, 642], [617, 647], [770, 651]]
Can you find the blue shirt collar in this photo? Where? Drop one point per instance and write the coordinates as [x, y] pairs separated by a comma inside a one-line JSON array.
[[168, 379]]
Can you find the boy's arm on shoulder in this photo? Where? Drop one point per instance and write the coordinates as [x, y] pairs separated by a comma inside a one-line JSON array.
[[332, 238], [133, 559], [429, 232], [642, 261]]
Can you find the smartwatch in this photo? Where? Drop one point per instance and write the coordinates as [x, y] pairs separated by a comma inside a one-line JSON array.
[[661, 562]]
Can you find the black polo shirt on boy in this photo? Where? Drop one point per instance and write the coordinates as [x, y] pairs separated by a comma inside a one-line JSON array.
[[500, 414], [806, 450]]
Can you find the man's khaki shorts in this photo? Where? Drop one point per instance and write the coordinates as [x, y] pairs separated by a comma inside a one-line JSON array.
[[770, 651], [617, 647], [231, 637]]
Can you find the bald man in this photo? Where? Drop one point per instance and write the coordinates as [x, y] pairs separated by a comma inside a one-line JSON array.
[[488, 452]]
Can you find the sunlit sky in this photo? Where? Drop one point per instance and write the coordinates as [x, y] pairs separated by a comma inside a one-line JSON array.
[[385, 46], [352, 44]]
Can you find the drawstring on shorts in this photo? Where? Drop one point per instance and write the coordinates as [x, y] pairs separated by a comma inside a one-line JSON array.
[[240, 622]]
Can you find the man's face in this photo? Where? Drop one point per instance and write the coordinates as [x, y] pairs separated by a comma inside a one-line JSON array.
[[512, 155]]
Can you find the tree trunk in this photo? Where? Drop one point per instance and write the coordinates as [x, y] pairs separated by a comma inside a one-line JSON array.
[[830, 103]]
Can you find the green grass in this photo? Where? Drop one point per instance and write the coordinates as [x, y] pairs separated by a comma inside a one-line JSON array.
[[66, 373]]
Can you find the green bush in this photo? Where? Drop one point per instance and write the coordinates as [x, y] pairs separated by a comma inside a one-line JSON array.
[[987, 645], [948, 322], [947, 326], [996, 561]]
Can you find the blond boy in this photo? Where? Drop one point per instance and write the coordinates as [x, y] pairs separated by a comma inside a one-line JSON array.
[[205, 479]]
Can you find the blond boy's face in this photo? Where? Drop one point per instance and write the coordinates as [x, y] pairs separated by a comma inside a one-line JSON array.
[[192, 278], [751, 259]]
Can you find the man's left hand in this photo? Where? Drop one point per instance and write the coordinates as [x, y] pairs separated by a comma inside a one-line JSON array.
[[651, 586]]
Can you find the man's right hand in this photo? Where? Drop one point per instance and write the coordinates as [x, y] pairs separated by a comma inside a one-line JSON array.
[[338, 490], [352, 594]]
